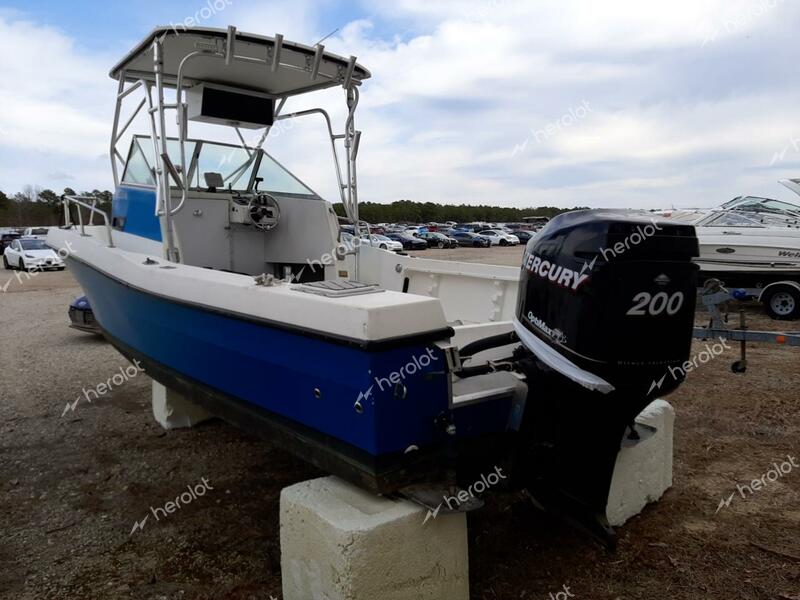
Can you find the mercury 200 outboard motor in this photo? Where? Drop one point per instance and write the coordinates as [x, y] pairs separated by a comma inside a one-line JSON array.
[[605, 315]]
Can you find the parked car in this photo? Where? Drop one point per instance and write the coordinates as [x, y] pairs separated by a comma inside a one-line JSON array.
[[81, 316], [6, 239], [37, 232], [498, 237], [31, 253], [523, 235], [381, 241], [467, 238], [436, 239], [409, 241]]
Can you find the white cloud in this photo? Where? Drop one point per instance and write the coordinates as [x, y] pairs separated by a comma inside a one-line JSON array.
[[670, 105], [54, 108], [581, 24]]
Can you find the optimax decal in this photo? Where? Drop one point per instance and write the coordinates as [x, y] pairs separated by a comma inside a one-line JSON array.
[[555, 334], [556, 273]]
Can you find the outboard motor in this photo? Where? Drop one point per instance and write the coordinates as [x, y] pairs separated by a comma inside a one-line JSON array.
[[605, 314]]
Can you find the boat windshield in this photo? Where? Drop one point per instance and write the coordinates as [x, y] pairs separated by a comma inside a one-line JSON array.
[[730, 218], [754, 203], [234, 163]]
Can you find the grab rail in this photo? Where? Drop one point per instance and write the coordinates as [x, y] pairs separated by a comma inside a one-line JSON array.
[[79, 201]]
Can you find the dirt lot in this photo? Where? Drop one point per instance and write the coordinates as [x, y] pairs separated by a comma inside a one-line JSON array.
[[74, 481]]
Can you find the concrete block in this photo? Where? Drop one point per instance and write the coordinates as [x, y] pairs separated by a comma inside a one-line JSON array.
[[172, 410], [339, 542], [643, 472]]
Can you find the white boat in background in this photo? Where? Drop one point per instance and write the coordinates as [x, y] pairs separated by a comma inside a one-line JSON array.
[[752, 243], [765, 207]]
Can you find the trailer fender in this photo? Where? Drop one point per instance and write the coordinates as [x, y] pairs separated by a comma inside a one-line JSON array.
[[788, 282]]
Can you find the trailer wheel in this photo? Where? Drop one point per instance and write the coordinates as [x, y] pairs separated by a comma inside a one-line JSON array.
[[739, 366], [782, 303]]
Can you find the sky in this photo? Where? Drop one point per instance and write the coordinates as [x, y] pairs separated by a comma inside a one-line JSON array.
[[621, 103]]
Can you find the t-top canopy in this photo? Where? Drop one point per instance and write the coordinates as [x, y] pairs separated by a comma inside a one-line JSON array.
[[260, 63]]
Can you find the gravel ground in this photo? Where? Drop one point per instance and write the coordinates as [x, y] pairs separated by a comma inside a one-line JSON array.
[[75, 481]]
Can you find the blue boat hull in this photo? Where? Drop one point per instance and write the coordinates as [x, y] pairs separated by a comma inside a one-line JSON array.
[[303, 378]]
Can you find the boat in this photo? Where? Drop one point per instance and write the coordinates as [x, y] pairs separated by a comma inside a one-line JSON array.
[[225, 276], [772, 211], [752, 244]]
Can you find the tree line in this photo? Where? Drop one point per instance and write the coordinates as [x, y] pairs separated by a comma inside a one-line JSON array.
[[37, 206], [408, 211]]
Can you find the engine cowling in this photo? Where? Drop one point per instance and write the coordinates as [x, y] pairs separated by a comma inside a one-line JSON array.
[[612, 294], [605, 312]]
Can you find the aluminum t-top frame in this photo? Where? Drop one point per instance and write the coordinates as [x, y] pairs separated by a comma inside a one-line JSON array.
[[272, 67]]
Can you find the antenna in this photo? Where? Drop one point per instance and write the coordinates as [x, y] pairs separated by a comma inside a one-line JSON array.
[[327, 36]]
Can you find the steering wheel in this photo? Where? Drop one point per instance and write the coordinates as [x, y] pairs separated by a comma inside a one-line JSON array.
[[264, 211]]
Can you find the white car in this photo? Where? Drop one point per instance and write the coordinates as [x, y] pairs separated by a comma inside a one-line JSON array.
[[498, 237], [31, 254], [36, 232], [381, 241]]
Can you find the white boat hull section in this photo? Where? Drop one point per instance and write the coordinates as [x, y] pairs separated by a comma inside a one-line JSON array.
[[755, 250], [470, 293], [368, 317]]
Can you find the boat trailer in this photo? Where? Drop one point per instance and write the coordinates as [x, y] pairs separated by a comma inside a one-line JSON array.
[[715, 296]]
